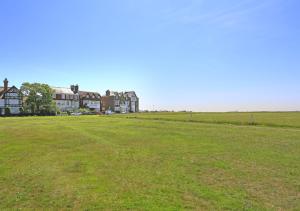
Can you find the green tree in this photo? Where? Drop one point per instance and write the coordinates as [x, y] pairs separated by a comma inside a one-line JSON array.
[[7, 111], [38, 98]]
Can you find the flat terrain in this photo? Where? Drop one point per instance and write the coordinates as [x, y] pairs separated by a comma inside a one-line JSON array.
[[275, 119], [168, 161]]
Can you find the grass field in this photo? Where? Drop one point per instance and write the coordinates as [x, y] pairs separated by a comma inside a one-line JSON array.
[[169, 161], [275, 119]]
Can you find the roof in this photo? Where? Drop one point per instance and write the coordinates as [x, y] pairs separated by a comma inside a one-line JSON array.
[[89, 95], [130, 94], [113, 93], [62, 90], [2, 90], [126, 95]]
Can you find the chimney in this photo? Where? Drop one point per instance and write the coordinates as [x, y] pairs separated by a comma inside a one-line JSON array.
[[107, 93], [5, 84], [73, 88], [76, 90]]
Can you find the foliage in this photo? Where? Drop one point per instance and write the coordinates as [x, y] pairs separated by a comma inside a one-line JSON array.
[[38, 99], [86, 111], [83, 110], [116, 163], [7, 111]]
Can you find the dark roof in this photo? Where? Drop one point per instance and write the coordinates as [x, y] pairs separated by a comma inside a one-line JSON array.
[[2, 90], [130, 94], [89, 95], [126, 95]]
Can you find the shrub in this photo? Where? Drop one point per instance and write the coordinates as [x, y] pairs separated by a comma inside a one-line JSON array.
[[7, 111]]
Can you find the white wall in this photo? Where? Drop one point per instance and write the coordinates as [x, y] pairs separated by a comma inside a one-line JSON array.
[[133, 106], [14, 110], [12, 101], [92, 104], [65, 105], [1, 103]]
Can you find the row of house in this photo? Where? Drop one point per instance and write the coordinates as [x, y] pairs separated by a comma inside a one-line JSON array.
[[71, 99]]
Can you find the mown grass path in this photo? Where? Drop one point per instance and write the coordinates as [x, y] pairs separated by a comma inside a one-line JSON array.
[[116, 163]]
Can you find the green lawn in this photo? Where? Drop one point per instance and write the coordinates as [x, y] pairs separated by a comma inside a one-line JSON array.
[[151, 162]]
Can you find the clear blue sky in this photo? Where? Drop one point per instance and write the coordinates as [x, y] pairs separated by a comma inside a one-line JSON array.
[[202, 55]]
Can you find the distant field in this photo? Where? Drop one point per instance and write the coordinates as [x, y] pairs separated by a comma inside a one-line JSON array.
[[164, 161], [281, 119]]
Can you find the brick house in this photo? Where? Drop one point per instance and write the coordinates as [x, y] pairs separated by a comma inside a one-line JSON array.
[[111, 101]]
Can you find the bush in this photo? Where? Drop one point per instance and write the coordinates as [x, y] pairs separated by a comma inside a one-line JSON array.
[[7, 111], [47, 112]]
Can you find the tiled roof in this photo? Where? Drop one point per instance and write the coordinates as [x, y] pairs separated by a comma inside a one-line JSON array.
[[89, 95], [62, 90], [2, 91], [126, 95]]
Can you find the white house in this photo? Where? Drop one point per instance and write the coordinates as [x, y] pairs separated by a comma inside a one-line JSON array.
[[67, 99], [10, 97]]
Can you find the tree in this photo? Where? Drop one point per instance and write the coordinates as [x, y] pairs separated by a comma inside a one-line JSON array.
[[38, 98], [7, 111]]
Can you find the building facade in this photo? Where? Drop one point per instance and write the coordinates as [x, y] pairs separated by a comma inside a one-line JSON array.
[[111, 101], [120, 102], [133, 101], [11, 98], [124, 103], [90, 100], [66, 99]]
